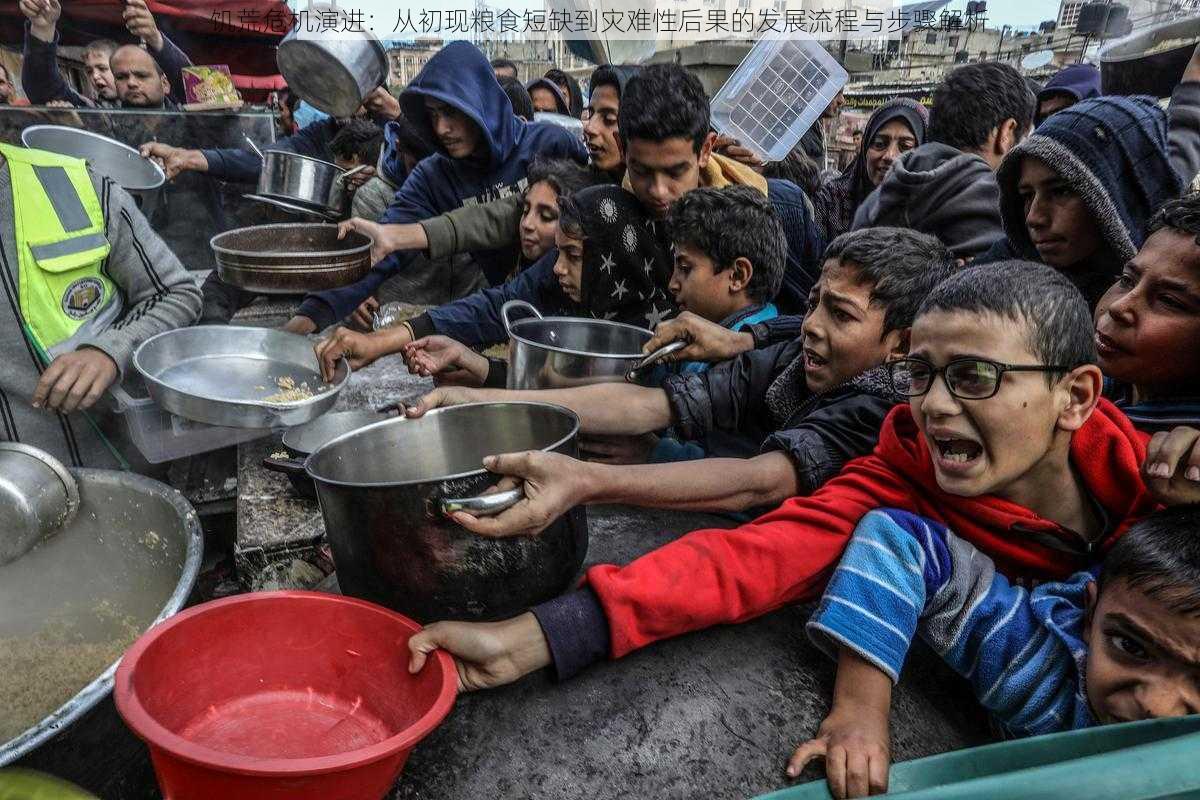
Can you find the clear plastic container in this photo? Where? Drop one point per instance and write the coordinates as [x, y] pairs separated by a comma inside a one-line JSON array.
[[776, 93], [161, 436]]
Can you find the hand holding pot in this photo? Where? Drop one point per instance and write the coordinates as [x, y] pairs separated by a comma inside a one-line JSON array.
[[707, 341], [387, 238], [554, 484], [174, 160], [444, 396], [486, 654]]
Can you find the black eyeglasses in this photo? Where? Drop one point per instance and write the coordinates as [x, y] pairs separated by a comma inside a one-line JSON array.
[[966, 378]]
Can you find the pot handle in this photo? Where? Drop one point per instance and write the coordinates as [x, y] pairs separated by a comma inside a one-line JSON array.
[[485, 505], [288, 466], [507, 308], [342, 178], [657, 355]]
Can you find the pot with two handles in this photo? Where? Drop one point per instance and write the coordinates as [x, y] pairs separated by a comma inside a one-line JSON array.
[[561, 352], [386, 491]]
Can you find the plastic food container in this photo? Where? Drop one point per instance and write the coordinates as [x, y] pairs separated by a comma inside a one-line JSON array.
[[281, 696], [161, 436], [776, 93]]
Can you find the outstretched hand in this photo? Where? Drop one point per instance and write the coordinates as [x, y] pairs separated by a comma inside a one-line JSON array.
[[553, 485], [448, 361], [1172, 467], [707, 341], [486, 654], [856, 749]]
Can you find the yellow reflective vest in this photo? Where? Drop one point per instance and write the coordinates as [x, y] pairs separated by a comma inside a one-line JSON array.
[[61, 248]]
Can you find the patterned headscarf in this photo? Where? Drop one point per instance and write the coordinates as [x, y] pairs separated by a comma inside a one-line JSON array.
[[627, 259]]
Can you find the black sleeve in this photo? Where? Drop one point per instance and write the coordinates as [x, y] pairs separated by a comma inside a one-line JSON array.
[[497, 377], [171, 60], [829, 436], [40, 77], [576, 631], [779, 329]]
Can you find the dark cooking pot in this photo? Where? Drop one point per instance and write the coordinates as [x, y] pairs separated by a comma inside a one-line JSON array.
[[303, 440], [385, 491], [1150, 61]]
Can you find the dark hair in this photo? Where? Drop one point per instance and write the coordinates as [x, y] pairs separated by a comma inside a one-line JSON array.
[[106, 46], [902, 265], [1160, 557], [564, 175], [975, 99], [574, 94], [798, 168], [290, 100], [1181, 214], [518, 95], [409, 140], [504, 63], [663, 101], [731, 223], [570, 218], [1058, 323], [358, 138]]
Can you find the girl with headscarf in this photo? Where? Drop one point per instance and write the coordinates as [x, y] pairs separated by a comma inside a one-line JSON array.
[[895, 128]]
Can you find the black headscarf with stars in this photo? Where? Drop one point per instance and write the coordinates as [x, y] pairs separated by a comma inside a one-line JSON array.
[[627, 259]]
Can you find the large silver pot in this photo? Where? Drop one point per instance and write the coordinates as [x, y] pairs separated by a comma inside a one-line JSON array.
[[314, 185], [332, 68], [561, 352], [1127, 66], [128, 560], [385, 491]]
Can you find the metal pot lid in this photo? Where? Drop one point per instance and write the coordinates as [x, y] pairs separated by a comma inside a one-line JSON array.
[[108, 157], [308, 438], [289, 206], [27, 476]]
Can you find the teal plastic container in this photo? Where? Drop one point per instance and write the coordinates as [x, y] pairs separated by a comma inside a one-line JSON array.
[[1150, 760]]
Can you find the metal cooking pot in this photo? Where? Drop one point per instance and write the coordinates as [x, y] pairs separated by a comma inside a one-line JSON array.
[[314, 185], [291, 258], [334, 67], [139, 176], [306, 439], [1127, 68], [37, 497], [561, 352], [385, 491]]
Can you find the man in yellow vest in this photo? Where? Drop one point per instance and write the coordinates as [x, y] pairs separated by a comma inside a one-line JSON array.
[[83, 281]]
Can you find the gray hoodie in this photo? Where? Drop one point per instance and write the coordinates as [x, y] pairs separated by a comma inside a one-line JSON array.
[[942, 191], [158, 295]]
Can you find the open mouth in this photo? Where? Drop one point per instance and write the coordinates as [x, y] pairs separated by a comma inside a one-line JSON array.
[[957, 451], [1106, 347], [813, 361]]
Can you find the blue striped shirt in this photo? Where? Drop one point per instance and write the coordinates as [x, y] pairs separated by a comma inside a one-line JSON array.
[[1022, 651]]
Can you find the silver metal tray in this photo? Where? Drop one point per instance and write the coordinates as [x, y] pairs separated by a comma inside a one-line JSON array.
[[222, 375]]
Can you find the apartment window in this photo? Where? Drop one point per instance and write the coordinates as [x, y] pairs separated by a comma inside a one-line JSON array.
[[953, 42], [931, 38]]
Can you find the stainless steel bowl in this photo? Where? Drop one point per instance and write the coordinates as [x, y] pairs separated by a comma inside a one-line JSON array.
[[128, 560], [1127, 68], [385, 491], [334, 70], [223, 375], [304, 181], [107, 156], [38, 496]]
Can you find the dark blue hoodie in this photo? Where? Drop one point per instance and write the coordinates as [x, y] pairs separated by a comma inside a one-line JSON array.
[[460, 76]]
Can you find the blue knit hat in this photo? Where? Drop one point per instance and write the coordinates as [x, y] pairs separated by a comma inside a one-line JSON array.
[[1080, 81], [1113, 152]]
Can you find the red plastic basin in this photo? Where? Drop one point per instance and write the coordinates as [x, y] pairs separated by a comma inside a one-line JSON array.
[[281, 695]]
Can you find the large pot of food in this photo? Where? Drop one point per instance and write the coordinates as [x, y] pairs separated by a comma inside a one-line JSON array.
[[291, 257], [333, 67], [1150, 61], [385, 491], [561, 352]]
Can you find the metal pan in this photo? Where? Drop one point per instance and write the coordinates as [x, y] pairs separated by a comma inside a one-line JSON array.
[[1127, 66], [291, 257], [107, 156], [306, 439], [223, 375], [305, 181]]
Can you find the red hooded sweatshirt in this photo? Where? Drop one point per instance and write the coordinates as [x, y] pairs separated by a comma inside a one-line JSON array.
[[710, 577]]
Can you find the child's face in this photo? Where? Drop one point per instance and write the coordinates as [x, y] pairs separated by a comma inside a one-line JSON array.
[[1059, 223], [661, 172], [540, 220], [544, 100], [600, 128], [569, 266], [698, 288], [1148, 323], [1143, 657], [843, 331], [1011, 444]]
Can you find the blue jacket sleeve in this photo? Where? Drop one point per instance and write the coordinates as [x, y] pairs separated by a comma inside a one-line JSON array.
[[411, 204], [171, 60], [237, 164], [903, 574], [805, 245], [475, 320], [40, 76]]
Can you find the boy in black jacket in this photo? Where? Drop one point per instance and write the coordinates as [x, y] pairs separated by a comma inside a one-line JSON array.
[[818, 401]]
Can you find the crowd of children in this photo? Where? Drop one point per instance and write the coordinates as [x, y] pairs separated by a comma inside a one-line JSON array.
[[957, 385]]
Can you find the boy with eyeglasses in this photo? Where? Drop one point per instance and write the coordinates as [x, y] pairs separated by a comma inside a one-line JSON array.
[[1030, 466]]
